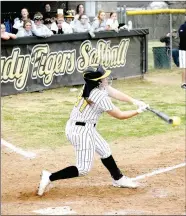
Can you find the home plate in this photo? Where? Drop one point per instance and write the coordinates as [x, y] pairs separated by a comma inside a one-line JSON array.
[[65, 210]]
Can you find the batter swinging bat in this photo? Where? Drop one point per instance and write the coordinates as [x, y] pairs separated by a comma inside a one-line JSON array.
[[161, 115]]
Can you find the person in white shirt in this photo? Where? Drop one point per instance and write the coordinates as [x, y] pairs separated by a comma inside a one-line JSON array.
[[82, 25], [60, 26], [99, 23], [112, 22], [18, 23], [39, 29], [48, 23], [69, 16], [80, 10], [6, 35], [26, 30]]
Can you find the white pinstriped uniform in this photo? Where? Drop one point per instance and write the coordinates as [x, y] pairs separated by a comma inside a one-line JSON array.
[[86, 139]]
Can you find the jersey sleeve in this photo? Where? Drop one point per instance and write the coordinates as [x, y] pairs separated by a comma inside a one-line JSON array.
[[102, 99], [106, 104]]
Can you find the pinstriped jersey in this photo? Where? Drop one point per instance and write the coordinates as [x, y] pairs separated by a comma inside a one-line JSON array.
[[90, 113]]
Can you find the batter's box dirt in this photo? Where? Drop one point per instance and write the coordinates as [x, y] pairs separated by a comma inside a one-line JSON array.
[[163, 194]]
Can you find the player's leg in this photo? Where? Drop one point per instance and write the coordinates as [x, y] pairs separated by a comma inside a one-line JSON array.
[[79, 136], [182, 60], [103, 149], [184, 78]]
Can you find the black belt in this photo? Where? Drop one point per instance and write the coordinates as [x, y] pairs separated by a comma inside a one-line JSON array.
[[82, 123]]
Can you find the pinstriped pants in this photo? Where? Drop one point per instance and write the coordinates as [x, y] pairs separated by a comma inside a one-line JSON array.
[[86, 141]]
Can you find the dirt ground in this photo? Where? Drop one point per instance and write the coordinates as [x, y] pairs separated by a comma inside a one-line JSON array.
[[162, 194]]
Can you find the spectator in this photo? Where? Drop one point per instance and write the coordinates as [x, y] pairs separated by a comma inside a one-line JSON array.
[[48, 23], [69, 16], [82, 25], [26, 30], [18, 22], [182, 52], [99, 23], [47, 13], [112, 22], [6, 35], [175, 45], [47, 8], [60, 26], [79, 11], [39, 29]]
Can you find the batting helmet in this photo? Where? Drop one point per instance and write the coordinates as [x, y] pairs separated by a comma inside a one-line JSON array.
[[92, 77], [95, 74]]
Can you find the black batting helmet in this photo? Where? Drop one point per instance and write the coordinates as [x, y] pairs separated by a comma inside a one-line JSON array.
[[92, 77], [96, 74]]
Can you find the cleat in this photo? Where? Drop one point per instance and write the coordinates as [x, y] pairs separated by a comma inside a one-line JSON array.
[[45, 181], [124, 182], [183, 86]]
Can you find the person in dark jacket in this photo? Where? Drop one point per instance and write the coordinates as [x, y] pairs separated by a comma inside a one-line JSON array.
[[175, 45], [182, 52]]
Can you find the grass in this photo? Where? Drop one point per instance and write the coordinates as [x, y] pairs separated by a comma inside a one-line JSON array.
[[37, 120]]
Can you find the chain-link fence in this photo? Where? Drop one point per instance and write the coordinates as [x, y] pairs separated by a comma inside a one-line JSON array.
[[163, 32]]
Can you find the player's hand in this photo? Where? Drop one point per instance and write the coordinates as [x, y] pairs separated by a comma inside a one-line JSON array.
[[143, 108], [138, 103]]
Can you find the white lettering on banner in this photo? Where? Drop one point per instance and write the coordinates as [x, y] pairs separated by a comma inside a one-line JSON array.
[[48, 64], [15, 68], [111, 57], [45, 64]]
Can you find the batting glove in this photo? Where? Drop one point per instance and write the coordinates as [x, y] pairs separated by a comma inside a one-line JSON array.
[[138, 103], [143, 108]]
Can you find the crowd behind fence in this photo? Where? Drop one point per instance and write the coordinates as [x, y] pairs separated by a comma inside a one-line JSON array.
[[161, 24]]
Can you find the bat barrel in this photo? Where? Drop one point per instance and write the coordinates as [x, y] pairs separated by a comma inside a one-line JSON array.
[[161, 115]]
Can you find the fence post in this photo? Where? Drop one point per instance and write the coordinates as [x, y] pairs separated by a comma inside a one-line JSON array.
[[120, 14], [125, 14], [170, 40]]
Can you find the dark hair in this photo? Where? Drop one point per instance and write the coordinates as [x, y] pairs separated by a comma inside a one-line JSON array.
[[47, 21], [112, 13], [77, 8], [28, 17], [82, 15]]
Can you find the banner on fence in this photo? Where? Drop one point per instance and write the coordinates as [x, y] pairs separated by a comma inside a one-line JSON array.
[[39, 66]]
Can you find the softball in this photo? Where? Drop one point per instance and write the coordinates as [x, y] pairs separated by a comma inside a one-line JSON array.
[[176, 121]]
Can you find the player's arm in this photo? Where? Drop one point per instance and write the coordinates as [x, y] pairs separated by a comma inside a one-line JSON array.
[[117, 113], [118, 95]]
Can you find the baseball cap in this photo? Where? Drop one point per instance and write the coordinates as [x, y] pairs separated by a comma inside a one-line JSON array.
[[96, 74], [69, 14], [38, 16]]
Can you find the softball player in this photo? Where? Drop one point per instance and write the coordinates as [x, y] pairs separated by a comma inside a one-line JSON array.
[[81, 129]]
